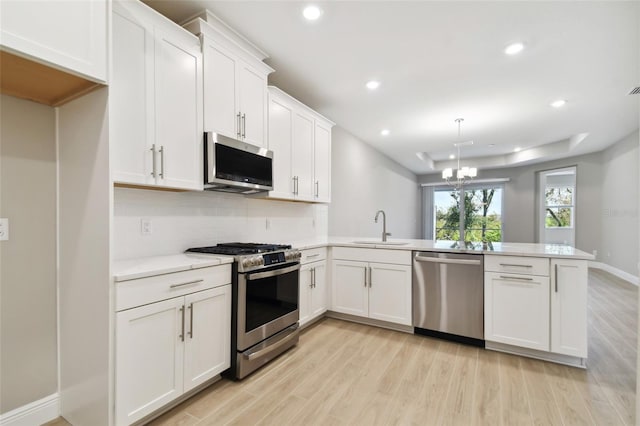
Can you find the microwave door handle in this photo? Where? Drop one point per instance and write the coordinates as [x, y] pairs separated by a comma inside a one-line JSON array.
[[272, 273]]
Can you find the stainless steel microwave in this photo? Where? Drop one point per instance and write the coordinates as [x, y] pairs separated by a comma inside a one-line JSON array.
[[235, 166]]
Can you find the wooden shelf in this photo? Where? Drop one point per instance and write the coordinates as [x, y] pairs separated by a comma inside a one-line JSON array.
[[36, 82]]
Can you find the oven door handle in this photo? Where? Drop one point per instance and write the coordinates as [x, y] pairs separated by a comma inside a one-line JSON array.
[[272, 273], [273, 347]]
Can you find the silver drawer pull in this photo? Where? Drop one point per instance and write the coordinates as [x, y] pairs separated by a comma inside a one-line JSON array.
[[516, 278], [187, 283], [516, 266], [313, 255]]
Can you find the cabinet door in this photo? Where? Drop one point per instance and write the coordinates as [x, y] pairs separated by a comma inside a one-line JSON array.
[[131, 99], [207, 348], [149, 358], [569, 307], [178, 113], [71, 35], [280, 140], [322, 163], [319, 292], [349, 287], [305, 289], [220, 103], [390, 293], [252, 95], [516, 310], [302, 154]]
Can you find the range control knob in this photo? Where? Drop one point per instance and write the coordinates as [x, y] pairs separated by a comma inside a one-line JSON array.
[[257, 261], [246, 262]]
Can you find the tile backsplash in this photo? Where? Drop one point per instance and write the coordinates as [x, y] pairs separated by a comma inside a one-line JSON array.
[[180, 220]]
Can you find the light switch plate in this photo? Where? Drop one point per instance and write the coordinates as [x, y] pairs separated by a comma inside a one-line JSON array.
[[4, 229]]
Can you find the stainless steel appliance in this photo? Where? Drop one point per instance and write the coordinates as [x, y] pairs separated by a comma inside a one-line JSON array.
[[234, 166], [448, 296], [265, 302]]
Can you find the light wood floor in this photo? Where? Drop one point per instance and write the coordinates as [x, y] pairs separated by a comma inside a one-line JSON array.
[[345, 373]]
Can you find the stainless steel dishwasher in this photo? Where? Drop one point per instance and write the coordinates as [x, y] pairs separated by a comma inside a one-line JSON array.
[[448, 296]]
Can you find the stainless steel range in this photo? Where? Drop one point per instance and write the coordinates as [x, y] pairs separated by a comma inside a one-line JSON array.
[[265, 302]]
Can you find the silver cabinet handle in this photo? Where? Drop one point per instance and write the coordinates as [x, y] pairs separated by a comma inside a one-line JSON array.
[[244, 125], [317, 189], [370, 276], [313, 255], [187, 283], [310, 277], [366, 284], [295, 185], [516, 266], [191, 320], [182, 313], [516, 278], [162, 161], [238, 132], [153, 158], [555, 267]]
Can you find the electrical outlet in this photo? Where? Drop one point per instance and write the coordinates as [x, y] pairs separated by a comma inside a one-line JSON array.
[[145, 226], [4, 229]]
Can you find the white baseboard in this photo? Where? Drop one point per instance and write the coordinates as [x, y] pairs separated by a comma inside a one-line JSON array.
[[615, 272], [35, 413]]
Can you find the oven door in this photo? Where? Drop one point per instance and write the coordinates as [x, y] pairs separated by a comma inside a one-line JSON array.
[[267, 303]]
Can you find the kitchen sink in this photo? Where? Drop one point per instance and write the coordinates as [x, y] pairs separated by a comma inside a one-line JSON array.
[[381, 243]]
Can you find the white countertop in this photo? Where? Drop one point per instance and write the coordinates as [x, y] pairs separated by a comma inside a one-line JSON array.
[[130, 269], [508, 249]]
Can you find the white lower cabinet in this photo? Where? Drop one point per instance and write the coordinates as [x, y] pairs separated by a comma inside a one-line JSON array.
[[544, 309], [313, 291], [569, 307], [313, 284], [517, 310], [375, 290], [169, 347]]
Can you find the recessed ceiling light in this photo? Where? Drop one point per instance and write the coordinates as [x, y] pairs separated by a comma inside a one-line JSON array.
[[385, 132], [517, 149], [373, 84], [452, 157], [311, 13], [514, 48], [559, 103]]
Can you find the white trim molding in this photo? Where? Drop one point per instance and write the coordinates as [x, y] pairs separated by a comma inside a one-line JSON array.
[[35, 413], [615, 272], [469, 183]]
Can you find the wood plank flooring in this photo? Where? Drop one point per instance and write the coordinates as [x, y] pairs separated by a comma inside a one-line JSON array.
[[349, 374]]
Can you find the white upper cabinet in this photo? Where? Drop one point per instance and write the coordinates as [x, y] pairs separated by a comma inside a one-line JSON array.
[[156, 101], [235, 82], [67, 35], [300, 140], [322, 162]]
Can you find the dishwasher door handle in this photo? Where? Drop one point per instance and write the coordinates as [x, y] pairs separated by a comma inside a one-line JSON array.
[[445, 260]]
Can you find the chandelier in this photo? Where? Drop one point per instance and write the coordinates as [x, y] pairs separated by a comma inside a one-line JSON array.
[[463, 174]]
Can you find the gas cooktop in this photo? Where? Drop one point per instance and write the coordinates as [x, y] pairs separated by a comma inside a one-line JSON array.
[[235, 249]]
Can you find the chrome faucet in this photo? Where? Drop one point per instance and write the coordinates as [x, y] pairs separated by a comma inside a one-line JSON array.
[[384, 224]]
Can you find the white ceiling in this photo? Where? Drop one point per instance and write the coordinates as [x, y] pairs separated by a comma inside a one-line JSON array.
[[437, 61]]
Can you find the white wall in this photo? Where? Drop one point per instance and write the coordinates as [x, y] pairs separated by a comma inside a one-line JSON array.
[[28, 348], [191, 219], [620, 205], [363, 181]]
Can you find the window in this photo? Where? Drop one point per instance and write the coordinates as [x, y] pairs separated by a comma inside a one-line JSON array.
[[482, 213], [558, 207]]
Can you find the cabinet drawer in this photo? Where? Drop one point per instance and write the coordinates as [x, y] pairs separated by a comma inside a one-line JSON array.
[[398, 257], [130, 294], [517, 265], [313, 255]]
